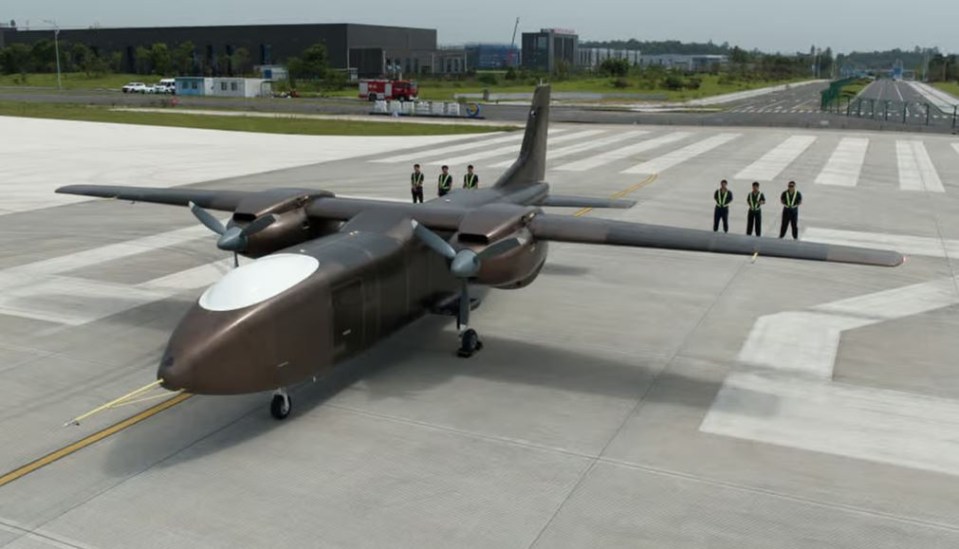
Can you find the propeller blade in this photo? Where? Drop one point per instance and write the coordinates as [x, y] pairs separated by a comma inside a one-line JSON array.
[[259, 224], [208, 220], [500, 247], [434, 241], [464, 318]]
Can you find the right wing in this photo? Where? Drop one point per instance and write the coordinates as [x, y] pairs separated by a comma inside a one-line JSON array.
[[224, 201], [562, 228], [566, 201]]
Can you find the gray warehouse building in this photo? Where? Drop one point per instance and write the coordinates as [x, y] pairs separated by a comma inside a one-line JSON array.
[[368, 49], [546, 49]]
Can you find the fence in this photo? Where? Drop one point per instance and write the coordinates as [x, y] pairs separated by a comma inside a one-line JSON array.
[[904, 112]]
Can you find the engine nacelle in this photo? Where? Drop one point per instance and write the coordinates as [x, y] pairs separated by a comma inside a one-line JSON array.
[[292, 226], [492, 223]]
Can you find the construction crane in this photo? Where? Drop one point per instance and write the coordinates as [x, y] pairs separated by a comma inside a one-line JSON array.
[[512, 44]]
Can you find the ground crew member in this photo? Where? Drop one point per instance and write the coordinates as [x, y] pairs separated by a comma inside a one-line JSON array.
[[754, 218], [416, 184], [470, 180], [723, 197], [791, 199], [445, 181]]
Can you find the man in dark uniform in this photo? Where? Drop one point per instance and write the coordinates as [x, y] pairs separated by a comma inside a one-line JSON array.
[[416, 184], [445, 181], [754, 218], [470, 180], [791, 199], [723, 197]]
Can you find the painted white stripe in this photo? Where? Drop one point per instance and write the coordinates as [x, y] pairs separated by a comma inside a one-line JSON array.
[[512, 149], [472, 145], [663, 163], [624, 152], [956, 147], [845, 165], [916, 171], [775, 161], [793, 402], [917, 245], [581, 147]]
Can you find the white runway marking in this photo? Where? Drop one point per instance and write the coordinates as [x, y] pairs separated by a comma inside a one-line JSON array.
[[512, 150], [916, 171], [956, 147], [624, 152], [472, 145], [45, 291], [775, 161], [663, 163], [581, 147], [845, 165]]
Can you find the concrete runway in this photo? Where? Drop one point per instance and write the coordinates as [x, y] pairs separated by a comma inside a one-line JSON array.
[[628, 398]]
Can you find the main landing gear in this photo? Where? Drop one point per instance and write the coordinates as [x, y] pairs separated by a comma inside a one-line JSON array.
[[281, 405]]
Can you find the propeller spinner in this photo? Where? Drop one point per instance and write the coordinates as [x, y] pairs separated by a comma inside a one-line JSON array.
[[232, 239]]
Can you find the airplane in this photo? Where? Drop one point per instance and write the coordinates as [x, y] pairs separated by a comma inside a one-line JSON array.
[[333, 276]]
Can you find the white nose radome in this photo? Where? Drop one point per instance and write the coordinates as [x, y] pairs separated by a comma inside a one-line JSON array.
[[258, 281]]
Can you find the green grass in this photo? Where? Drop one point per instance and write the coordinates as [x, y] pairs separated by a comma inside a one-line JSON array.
[[301, 126], [855, 88], [75, 80], [952, 88]]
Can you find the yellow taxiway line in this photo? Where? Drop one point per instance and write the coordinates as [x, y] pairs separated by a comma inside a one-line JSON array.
[[623, 193], [92, 439]]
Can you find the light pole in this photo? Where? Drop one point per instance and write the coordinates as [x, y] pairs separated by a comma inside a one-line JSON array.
[[56, 49]]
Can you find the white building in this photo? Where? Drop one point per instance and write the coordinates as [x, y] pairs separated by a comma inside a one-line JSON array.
[[688, 63], [241, 87]]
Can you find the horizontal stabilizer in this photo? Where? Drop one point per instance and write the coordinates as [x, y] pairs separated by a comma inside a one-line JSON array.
[[561, 201]]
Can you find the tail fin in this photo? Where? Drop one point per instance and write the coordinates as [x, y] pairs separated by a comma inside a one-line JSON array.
[[530, 167]]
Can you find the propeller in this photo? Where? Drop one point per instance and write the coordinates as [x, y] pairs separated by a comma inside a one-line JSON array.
[[232, 239], [465, 263]]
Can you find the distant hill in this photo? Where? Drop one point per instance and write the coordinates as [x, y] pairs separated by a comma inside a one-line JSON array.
[[911, 59]]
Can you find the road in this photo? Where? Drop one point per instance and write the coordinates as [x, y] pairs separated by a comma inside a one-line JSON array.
[[628, 398]]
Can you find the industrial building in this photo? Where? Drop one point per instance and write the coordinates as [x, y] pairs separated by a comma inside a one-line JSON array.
[[688, 63], [491, 56], [592, 58], [549, 48], [364, 49]]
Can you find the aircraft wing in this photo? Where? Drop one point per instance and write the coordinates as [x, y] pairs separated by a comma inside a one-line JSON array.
[[225, 201], [618, 233], [565, 201]]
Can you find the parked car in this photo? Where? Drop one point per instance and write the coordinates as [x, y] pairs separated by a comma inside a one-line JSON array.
[[136, 87], [167, 85]]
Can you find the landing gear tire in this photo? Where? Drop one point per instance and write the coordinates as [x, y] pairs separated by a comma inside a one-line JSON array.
[[469, 344], [280, 406]]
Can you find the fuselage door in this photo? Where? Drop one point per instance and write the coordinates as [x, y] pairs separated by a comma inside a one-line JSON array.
[[348, 319]]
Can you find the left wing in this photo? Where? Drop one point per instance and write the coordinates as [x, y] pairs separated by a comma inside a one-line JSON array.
[[618, 233], [225, 201]]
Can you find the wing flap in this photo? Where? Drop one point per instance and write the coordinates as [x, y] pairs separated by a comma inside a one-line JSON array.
[[226, 201]]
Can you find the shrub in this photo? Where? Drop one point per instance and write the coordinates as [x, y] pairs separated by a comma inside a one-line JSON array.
[[620, 83]]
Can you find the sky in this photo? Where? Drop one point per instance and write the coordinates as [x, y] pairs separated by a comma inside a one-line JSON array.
[[844, 25]]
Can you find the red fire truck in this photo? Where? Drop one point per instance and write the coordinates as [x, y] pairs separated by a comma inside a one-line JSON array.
[[397, 90]]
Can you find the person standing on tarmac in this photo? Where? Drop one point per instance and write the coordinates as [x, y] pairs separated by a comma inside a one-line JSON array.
[[754, 218], [791, 199], [445, 181], [416, 184], [723, 198], [470, 180]]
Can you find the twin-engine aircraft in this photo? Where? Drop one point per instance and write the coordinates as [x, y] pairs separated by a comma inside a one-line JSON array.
[[334, 276]]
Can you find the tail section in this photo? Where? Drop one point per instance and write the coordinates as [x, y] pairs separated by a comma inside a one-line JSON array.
[[530, 167]]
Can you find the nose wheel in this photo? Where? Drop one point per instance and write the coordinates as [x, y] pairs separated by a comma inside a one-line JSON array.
[[281, 405], [469, 344]]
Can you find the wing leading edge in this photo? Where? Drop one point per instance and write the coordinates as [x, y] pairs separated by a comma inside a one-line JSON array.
[[618, 233], [225, 201]]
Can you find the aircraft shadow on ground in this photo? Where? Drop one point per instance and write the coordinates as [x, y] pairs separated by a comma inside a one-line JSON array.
[[419, 359]]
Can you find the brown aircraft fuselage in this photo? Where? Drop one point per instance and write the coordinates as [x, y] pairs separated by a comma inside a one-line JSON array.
[[371, 278]]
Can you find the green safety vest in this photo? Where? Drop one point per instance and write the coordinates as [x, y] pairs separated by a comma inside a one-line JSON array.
[[416, 179], [721, 200], [446, 182], [469, 181], [754, 200], [791, 199]]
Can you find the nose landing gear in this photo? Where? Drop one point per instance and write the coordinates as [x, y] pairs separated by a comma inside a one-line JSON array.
[[281, 405], [469, 344]]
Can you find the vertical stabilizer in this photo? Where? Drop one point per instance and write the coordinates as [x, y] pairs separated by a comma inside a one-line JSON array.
[[530, 167]]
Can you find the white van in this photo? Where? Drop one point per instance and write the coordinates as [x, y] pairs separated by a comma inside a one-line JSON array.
[[167, 85]]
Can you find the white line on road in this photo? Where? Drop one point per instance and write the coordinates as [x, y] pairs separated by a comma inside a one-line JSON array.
[[624, 152], [775, 161], [663, 163], [917, 245], [916, 171], [512, 149], [845, 164], [581, 147], [472, 145]]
